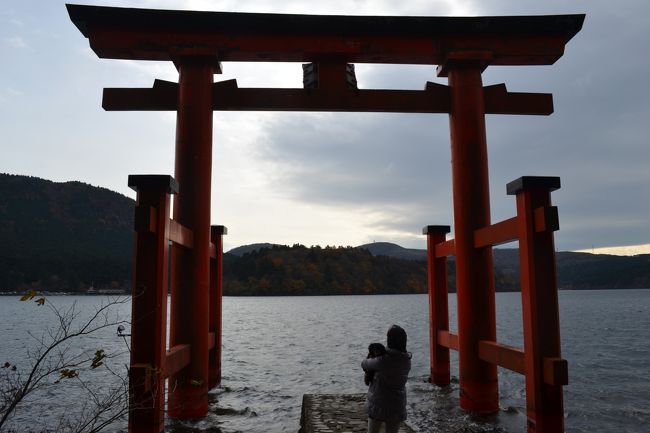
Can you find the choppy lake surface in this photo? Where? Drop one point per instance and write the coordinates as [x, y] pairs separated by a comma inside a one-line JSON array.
[[277, 349]]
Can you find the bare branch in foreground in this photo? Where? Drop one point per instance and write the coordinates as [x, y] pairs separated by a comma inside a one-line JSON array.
[[55, 362]]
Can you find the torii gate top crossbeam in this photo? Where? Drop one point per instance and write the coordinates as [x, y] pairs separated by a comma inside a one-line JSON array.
[[145, 34]]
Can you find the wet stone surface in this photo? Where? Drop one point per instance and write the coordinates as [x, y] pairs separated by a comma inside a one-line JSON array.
[[336, 413]]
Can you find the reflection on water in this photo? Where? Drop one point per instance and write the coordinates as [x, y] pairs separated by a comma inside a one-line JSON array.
[[277, 349]]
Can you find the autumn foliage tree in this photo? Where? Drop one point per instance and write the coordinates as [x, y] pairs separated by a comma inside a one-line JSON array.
[[299, 270]]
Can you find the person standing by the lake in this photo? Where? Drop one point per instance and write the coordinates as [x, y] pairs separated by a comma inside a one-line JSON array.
[[386, 400]]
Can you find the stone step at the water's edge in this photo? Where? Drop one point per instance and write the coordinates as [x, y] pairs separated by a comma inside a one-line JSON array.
[[336, 413]]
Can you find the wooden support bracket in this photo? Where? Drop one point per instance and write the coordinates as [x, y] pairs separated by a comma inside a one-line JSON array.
[[556, 371], [499, 101], [496, 234], [447, 339], [502, 355], [227, 95], [178, 357], [141, 377], [180, 234], [447, 248]]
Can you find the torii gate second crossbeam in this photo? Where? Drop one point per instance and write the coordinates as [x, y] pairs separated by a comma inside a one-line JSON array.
[[461, 47]]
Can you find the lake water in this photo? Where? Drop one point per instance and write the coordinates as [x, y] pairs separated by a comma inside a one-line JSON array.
[[277, 349]]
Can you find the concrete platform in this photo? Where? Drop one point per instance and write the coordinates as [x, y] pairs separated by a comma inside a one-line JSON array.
[[336, 413]]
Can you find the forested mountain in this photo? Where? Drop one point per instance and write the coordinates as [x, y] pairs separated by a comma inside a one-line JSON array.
[[334, 270], [63, 236], [298, 270], [577, 271], [602, 271], [69, 236]]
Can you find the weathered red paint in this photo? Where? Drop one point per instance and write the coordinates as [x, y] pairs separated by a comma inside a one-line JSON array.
[[474, 274], [149, 303], [446, 248], [540, 312], [438, 305], [448, 339], [191, 268], [540, 361], [180, 235], [495, 234], [502, 355]]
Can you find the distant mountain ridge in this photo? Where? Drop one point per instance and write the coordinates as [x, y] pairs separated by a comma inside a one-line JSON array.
[[578, 271], [244, 249], [394, 250], [387, 249], [68, 236], [574, 270]]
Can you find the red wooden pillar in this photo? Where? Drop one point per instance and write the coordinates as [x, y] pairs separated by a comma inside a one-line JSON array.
[[216, 297], [474, 273], [438, 305], [546, 372], [188, 389], [149, 302]]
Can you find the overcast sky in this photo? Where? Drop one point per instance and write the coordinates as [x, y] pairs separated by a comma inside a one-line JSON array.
[[345, 179]]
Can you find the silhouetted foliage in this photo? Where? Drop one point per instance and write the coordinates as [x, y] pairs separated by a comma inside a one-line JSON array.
[[602, 271], [63, 236], [298, 270], [581, 271]]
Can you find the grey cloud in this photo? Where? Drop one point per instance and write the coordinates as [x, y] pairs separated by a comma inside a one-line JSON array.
[[398, 166], [360, 159], [596, 140]]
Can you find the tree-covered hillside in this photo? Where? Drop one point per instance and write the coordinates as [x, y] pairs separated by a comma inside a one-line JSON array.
[[298, 270], [63, 236]]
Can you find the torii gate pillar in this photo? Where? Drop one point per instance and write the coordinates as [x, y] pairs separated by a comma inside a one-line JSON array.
[[471, 199], [188, 389]]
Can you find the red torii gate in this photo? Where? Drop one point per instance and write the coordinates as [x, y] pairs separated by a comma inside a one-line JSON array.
[[462, 48]]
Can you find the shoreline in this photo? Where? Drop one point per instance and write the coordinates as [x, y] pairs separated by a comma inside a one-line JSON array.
[[47, 293]]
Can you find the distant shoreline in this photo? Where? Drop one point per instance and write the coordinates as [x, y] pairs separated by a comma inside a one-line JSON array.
[[300, 296]]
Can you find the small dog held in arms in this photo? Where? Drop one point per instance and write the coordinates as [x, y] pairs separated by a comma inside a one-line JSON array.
[[374, 350]]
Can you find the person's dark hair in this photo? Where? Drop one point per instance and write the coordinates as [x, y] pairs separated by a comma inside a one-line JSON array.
[[396, 338]]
